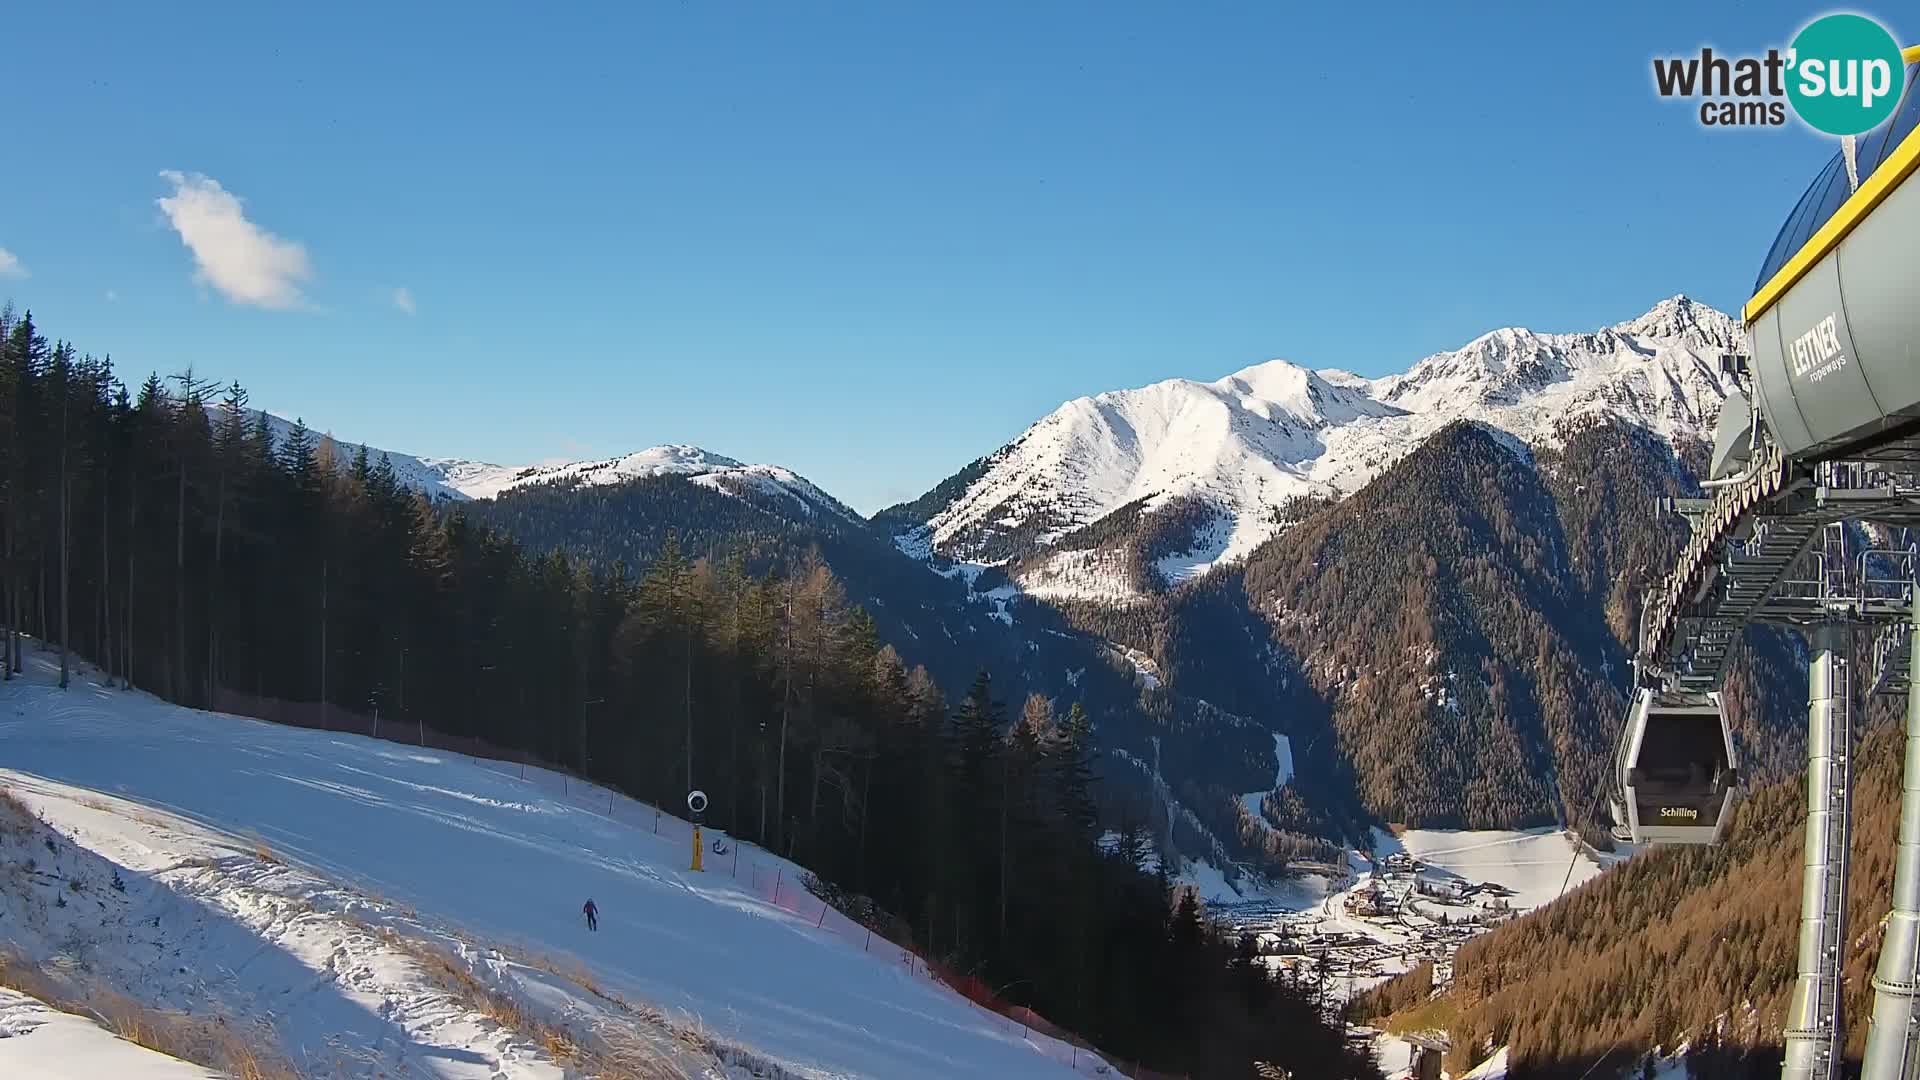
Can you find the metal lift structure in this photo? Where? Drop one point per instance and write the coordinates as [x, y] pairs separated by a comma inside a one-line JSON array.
[[1812, 522]]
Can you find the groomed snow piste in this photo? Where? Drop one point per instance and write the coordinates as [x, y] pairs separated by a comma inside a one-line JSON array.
[[274, 867]]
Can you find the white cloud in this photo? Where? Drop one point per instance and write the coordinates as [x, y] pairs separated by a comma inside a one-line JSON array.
[[403, 299], [248, 264], [10, 265]]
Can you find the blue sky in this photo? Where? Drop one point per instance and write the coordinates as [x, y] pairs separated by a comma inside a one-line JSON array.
[[870, 241]]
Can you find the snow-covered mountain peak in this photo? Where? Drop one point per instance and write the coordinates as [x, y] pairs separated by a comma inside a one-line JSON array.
[[672, 459], [1243, 445], [1343, 377], [1233, 443], [1304, 395], [1666, 362], [783, 486], [1681, 316], [678, 457], [460, 478]]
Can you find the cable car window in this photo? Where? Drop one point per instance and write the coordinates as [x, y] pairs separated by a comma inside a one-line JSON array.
[[1681, 753]]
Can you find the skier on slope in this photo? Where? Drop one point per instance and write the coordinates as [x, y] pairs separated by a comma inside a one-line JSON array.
[[592, 913]]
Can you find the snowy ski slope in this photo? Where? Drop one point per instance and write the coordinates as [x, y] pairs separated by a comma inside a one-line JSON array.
[[47, 1044], [480, 854]]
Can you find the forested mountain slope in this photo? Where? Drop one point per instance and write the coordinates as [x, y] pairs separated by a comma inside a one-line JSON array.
[[1693, 945], [1445, 646], [1459, 630], [956, 623], [1433, 613], [214, 563]]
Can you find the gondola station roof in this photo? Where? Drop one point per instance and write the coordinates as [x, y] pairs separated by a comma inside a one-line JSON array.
[[1832, 322], [1832, 187]]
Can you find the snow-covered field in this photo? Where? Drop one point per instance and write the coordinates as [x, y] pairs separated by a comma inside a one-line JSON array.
[[294, 878], [47, 1044], [1537, 865], [1364, 950]]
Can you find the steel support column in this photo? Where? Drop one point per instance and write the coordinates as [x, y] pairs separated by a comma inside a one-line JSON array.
[[1813, 1042], [1893, 1038]]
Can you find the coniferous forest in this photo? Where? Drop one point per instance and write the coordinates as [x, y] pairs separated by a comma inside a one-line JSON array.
[[164, 534], [1681, 945]]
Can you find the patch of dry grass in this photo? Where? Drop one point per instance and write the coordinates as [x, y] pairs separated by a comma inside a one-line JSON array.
[[261, 851], [625, 1054], [571, 969], [608, 1052], [1434, 1014], [131, 811], [213, 1043], [458, 980], [15, 818]]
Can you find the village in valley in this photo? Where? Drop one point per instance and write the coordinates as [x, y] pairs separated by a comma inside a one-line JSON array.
[[1379, 922], [1415, 898]]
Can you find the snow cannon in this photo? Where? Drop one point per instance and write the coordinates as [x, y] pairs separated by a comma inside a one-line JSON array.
[[697, 805]]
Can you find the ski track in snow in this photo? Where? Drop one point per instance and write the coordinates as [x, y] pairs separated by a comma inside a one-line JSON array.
[[471, 856], [1283, 772]]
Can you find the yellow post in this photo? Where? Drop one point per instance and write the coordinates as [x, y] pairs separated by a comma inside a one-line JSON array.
[[696, 847]]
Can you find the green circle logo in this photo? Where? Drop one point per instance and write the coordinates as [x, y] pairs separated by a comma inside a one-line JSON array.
[[1846, 74]]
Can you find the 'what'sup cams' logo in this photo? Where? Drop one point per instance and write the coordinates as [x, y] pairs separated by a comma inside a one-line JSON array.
[[1842, 75]]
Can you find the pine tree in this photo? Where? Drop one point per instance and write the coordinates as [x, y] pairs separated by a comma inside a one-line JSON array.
[[667, 598], [191, 437], [297, 459], [1073, 769], [230, 450], [61, 377], [26, 357], [10, 500]]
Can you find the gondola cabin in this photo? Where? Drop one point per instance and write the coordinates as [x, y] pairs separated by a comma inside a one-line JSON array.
[[1678, 774]]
